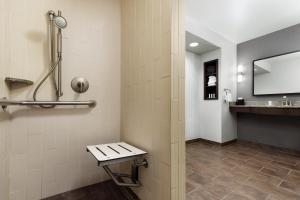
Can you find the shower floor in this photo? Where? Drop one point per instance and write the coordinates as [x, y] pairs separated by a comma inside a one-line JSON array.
[[102, 191]]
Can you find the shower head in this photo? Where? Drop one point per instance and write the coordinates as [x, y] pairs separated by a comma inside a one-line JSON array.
[[60, 22]]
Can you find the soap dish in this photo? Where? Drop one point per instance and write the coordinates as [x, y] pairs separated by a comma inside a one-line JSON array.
[[18, 81]]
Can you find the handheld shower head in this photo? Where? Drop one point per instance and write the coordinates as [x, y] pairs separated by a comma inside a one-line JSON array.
[[60, 22]]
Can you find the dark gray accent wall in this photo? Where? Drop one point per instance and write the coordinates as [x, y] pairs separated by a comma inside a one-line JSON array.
[[283, 41], [277, 131], [272, 130]]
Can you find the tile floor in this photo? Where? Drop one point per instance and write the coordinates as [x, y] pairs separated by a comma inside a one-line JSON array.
[[102, 191], [241, 171]]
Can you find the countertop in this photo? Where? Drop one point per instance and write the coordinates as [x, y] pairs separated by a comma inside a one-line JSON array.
[[263, 109]]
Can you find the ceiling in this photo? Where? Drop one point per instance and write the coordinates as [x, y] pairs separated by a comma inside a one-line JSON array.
[[242, 20], [203, 47]]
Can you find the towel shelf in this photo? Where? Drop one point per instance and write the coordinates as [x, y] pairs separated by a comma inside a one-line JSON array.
[[10, 81]]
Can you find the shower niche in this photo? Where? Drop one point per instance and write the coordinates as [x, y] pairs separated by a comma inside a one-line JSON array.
[[211, 80]]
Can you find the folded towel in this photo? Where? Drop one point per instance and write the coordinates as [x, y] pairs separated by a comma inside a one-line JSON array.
[[212, 80], [228, 97]]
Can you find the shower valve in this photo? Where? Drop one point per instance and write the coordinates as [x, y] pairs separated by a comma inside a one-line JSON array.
[[80, 85]]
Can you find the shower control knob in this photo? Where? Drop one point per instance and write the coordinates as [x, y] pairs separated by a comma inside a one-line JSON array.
[[80, 84]]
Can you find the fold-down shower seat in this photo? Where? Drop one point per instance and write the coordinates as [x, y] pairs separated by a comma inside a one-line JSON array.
[[114, 153]]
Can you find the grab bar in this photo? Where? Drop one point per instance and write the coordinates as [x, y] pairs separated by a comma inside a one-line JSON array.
[[4, 103]]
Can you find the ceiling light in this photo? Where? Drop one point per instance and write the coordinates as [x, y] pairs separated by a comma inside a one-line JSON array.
[[194, 44]]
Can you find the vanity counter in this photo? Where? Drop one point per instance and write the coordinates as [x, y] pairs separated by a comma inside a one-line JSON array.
[[266, 110]]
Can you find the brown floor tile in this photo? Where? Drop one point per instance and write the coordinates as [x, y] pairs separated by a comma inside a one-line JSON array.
[[267, 178], [201, 194], [292, 184], [275, 171], [234, 175], [199, 180], [241, 171], [222, 186], [256, 163], [246, 169], [276, 192], [234, 196], [190, 187], [204, 170], [287, 165], [270, 197], [250, 192], [295, 173], [286, 159], [233, 162]]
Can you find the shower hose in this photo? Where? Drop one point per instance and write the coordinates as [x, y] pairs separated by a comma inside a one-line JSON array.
[[42, 82]]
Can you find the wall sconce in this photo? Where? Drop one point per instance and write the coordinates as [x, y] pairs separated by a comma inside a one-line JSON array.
[[240, 74], [240, 77]]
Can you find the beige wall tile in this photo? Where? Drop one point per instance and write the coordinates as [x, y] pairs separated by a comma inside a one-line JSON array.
[[178, 118], [152, 96], [165, 68], [52, 142], [146, 89]]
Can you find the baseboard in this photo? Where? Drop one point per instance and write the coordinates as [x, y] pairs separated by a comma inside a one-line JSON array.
[[191, 141], [229, 142], [261, 145], [210, 142], [268, 146]]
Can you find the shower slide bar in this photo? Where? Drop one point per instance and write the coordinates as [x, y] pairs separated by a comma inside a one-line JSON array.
[[4, 103], [115, 153]]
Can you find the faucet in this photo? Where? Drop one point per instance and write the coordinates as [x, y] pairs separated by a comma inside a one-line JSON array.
[[286, 102]]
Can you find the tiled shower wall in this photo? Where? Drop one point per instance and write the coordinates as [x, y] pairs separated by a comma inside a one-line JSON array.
[[3, 157], [4, 124], [153, 49], [178, 101], [46, 147], [146, 90], [4, 117]]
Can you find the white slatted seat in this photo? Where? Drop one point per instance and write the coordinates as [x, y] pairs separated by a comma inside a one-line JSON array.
[[107, 154]]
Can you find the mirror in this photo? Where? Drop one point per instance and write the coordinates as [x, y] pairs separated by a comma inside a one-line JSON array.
[[277, 75]]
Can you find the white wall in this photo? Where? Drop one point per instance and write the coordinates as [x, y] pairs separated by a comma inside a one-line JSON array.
[[47, 152], [203, 117], [193, 94], [227, 77], [211, 118]]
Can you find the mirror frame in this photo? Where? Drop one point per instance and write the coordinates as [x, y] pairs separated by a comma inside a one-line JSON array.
[[253, 91]]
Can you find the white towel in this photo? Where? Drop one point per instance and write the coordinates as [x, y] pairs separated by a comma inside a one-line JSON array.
[[228, 97], [212, 81]]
